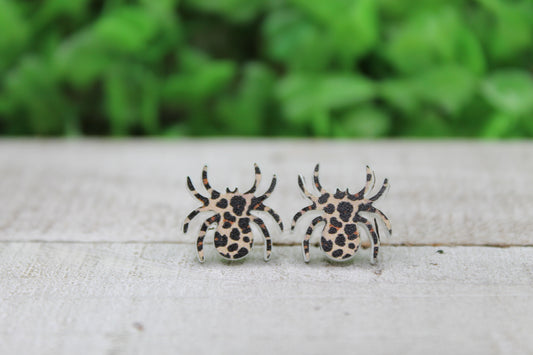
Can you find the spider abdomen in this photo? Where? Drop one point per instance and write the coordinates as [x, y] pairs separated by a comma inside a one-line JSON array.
[[233, 238], [340, 241]]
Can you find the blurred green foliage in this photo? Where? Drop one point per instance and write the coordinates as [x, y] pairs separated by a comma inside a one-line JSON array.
[[343, 68]]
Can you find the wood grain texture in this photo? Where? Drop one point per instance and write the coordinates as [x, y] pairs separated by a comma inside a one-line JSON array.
[[146, 298], [448, 193]]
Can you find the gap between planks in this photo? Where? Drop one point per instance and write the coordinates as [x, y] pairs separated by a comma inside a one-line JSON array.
[[364, 245]]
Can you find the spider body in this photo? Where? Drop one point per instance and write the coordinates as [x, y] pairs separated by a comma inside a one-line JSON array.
[[340, 237], [233, 235]]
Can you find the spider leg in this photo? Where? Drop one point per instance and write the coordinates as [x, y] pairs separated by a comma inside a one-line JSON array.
[[214, 193], [301, 185], [257, 180], [270, 189], [201, 235], [195, 193], [384, 218], [189, 218], [268, 241], [271, 212], [381, 191], [374, 236], [369, 185], [317, 182], [305, 242], [300, 214]]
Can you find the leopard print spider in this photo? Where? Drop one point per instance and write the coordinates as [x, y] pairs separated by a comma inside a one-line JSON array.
[[233, 235], [340, 212]]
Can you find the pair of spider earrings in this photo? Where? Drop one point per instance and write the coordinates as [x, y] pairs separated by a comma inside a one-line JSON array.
[[340, 211]]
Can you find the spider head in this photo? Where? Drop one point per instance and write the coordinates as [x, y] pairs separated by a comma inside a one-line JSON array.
[[352, 197]]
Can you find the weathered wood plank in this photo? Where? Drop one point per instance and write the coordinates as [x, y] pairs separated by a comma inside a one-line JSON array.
[[442, 192], [145, 298]]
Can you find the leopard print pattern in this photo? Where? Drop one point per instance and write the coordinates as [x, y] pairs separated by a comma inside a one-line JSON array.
[[233, 236], [340, 238]]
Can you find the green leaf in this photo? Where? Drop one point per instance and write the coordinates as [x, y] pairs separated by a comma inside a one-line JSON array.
[[117, 103], [509, 91], [149, 103], [80, 61], [500, 125], [401, 94], [297, 42], [32, 100], [126, 29], [60, 9], [469, 52], [234, 10], [426, 124], [247, 111], [352, 26], [511, 33], [202, 77], [449, 87], [302, 95], [367, 121], [14, 31], [425, 39]]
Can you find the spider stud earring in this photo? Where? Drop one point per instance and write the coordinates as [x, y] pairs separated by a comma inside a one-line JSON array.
[[341, 213], [233, 236]]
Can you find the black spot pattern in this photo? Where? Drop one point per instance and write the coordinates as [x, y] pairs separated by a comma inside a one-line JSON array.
[[363, 207], [256, 201], [233, 247], [238, 203], [215, 195], [241, 253], [323, 198], [346, 256], [229, 217], [246, 239], [339, 194], [335, 222], [340, 240], [222, 203], [220, 240], [351, 246], [244, 224], [345, 211], [329, 209], [235, 234], [350, 229], [337, 253], [352, 236], [327, 245]]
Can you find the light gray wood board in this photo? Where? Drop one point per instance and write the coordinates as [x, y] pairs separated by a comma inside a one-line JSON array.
[[442, 192], [155, 298]]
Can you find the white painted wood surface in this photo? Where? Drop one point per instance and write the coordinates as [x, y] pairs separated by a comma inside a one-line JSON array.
[[146, 298], [441, 192], [92, 260]]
